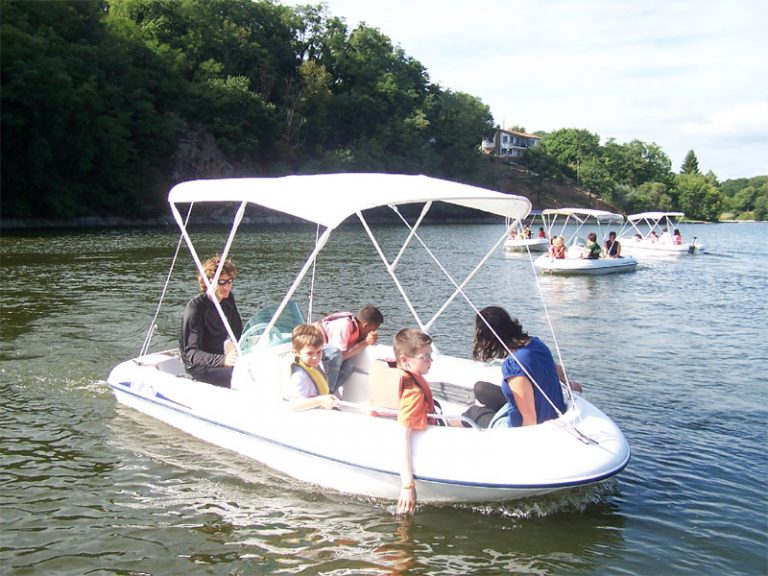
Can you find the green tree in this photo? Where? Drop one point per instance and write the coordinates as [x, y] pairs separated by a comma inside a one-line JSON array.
[[307, 122], [538, 161], [595, 176], [245, 126], [749, 197], [570, 147], [644, 162], [83, 113], [650, 196], [698, 198], [690, 164], [760, 209], [618, 196], [457, 123]]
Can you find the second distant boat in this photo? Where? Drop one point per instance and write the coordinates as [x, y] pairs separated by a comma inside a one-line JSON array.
[[574, 260]]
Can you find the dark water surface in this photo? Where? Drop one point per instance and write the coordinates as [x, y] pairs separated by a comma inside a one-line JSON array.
[[675, 353]]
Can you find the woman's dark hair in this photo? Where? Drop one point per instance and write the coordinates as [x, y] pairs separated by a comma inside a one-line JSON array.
[[486, 345]]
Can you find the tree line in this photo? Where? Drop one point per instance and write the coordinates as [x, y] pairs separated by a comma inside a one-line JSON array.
[[638, 176], [98, 98]]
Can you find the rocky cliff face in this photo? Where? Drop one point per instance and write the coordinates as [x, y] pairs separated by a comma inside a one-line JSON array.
[[198, 156]]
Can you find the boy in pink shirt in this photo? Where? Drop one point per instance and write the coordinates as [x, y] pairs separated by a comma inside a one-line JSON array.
[[347, 335]]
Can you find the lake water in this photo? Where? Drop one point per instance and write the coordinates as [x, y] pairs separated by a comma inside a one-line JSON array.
[[675, 353]]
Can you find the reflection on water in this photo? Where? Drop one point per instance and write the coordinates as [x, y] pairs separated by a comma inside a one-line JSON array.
[[674, 353]]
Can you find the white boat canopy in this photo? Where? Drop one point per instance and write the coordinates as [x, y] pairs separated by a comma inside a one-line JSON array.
[[583, 214], [329, 199], [654, 216]]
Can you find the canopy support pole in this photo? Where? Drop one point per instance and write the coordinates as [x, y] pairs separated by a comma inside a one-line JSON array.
[[391, 270], [153, 325], [210, 284], [319, 244]]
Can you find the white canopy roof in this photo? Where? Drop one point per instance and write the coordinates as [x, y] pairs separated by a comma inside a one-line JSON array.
[[654, 216], [583, 213], [328, 199]]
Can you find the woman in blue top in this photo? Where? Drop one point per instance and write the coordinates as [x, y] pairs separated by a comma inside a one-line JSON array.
[[496, 335]]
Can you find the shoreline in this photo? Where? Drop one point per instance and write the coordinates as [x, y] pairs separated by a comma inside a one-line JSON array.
[[96, 222]]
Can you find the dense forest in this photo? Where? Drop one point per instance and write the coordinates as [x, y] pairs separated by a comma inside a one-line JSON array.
[[106, 103], [637, 176]]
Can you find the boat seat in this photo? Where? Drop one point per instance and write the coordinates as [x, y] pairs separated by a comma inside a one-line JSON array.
[[384, 384], [355, 389], [174, 366], [501, 418], [574, 251]]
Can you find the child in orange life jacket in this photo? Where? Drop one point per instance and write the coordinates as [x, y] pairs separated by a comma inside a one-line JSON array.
[[308, 385], [413, 351]]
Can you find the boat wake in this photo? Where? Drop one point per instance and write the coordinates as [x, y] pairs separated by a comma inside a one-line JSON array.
[[576, 500]]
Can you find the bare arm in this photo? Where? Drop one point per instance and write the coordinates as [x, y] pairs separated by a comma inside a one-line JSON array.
[[406, 503], [360, 345], [523, 393]]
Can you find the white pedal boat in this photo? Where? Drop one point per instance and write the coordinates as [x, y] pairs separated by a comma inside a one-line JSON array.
[[526, 244], [350, 450], [577, 265], [516, 242], [569, 223], [637, 238]]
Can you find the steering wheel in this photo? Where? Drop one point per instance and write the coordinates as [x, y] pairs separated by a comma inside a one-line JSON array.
[[251, 337]]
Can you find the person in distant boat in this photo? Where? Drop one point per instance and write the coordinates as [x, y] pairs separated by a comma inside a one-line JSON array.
[[309, 385], [512, 234], [637, 237], [653, 237], [206, 351], [542, 234], [413, 352], [518, 401], [557, 249], [665, 237], [527, 232], [592, 250], [612, 246], [347, 335], [676, 237]]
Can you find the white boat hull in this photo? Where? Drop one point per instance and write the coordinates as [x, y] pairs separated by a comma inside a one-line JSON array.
[[527, 245], [646, 248], [595, 266], [353, 452]]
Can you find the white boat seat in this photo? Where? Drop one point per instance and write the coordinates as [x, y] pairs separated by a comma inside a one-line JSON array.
[[384, 384], [574, 251]]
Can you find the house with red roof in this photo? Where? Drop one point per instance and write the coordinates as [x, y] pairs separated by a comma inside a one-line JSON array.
[[509, 143]]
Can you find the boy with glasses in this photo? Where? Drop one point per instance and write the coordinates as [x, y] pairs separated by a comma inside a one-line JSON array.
[[413, 353]]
